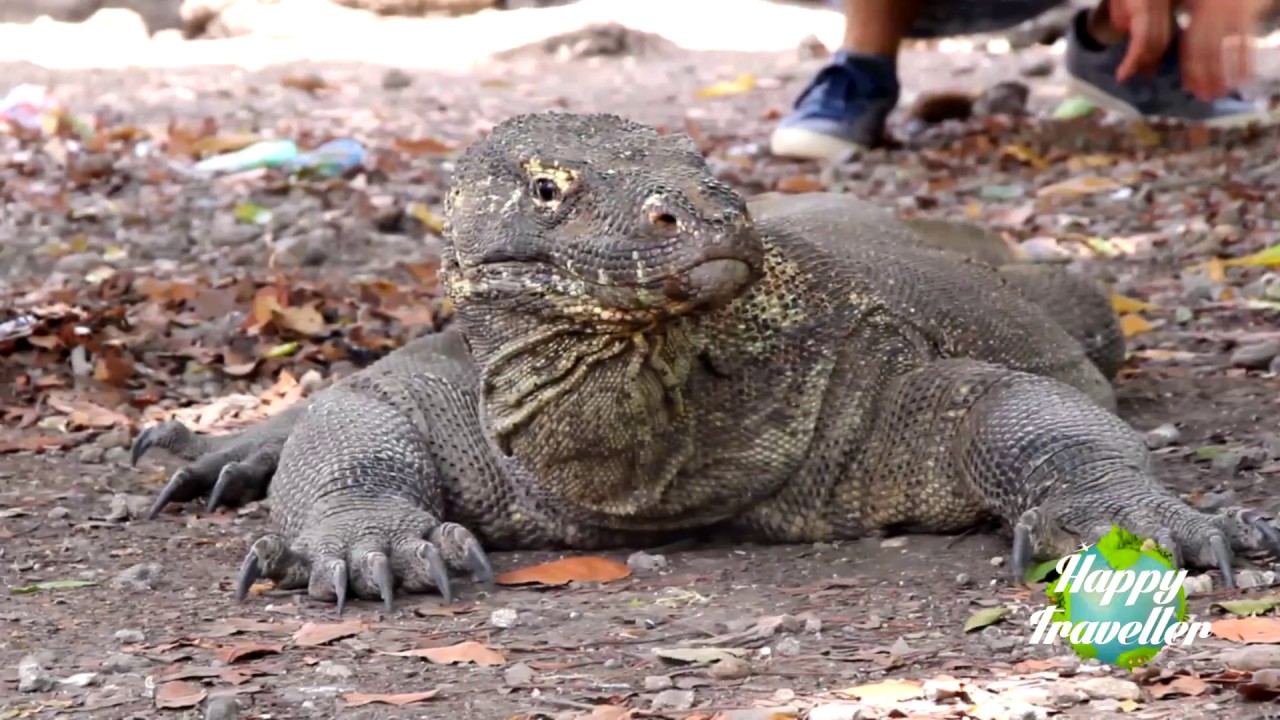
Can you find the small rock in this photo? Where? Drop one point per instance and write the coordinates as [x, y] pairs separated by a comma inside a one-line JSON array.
[[504, 618], [788, 646], [311, 382], [1256, 356], [997, 561], [731, 668], [963, 580], [57, 513], [129, 636], [332, 669], [32, 677], [654, 683], [396, 79], [644, 562], [1111, 688], [143, 576], [1038, 67], [1214, 501], [1043, 249], [1067, 696], [1162, 437], [221, 707], [117, 456], [119, 663], [91, 455], [84, 679], [128, 507], [1198, 584], [612, 663], [1250, 578], [894, 542], [672, 700], [1252, 658], [842, 711], [813, 625], [518, 675], [1005, 98]]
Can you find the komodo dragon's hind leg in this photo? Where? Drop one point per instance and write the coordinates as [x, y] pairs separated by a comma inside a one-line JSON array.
[[959, 440]]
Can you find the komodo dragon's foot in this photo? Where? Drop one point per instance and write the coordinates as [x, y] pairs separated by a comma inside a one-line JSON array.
[[402, 547], [1195, 539]]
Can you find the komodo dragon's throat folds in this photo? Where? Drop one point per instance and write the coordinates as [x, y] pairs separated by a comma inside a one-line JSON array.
[[638, 353]]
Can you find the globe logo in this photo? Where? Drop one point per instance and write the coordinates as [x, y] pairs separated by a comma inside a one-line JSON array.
[[1119, 601]]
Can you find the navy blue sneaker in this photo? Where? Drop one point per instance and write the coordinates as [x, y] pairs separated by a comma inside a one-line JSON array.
[[844, 107], [1091, 70]]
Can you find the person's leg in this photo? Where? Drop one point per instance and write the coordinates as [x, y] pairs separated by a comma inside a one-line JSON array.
[[1095, 49], [847, 103]]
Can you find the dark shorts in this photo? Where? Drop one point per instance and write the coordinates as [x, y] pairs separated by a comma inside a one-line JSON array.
[[946, 18]]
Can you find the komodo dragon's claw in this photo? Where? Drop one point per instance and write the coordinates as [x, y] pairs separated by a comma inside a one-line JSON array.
[[250, 572], [1222, 557], [176, 485]]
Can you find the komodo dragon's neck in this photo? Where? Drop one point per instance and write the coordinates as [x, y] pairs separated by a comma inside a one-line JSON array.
[[601, 419]]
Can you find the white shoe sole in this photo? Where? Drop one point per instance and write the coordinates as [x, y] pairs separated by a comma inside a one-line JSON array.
[[1101, 99], [803, 144]]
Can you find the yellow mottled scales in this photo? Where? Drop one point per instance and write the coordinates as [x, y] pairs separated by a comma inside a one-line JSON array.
[[638, 353]]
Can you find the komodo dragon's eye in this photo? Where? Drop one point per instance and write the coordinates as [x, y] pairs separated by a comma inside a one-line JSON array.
[[546, 190]]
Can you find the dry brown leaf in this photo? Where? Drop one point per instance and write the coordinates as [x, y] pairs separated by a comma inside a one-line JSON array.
[[421, 146], [304, 320], [218, 144], [799, 184], [1124, 304], [266, 302], [113, 368], [570, 569], [606, 712], [397, 699], [1133, 324], [1025, 155], [31, 443], [886, 692], [464, 652], [312, 634], [242, 650], [86, 414], [1180, 685], [307, 83], [1216, 270], [180, 694], [1255, 629], [1078, 186]]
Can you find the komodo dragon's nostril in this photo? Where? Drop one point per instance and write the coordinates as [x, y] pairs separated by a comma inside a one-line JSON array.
[[664, 221]]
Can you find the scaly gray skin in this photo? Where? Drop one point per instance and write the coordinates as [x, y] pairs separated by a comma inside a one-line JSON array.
[[636, 355]]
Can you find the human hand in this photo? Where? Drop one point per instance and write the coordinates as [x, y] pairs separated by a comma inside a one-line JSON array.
[[1216, 49], [1149, 25]]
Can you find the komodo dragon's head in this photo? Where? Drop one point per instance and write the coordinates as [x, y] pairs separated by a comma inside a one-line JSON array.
[[596, 220]]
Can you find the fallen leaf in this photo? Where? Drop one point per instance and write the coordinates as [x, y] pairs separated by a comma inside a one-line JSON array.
[[1122, 304], [310, 83], [1181, 685], [266, 302], [312, 634], [252, 214], [87, 414], [698, 655], [1254, 629], [426, 217], [113, 368], [421, 146], [741, 84], [1216, 270], [1128, 705], [179, 694], [304, 320], [1079, 186], [52, 585], [242, 650], [1026, 155], [398, 699], [1164, 355], [218, 144], [608, 712], [281, 350], [799, 184], [1040, 571], [1267, 257], [1072, 108], [1132, 324], [464, 652], [887, 692], [985, 617], [31, 443], [570, 569], [1248, 606]]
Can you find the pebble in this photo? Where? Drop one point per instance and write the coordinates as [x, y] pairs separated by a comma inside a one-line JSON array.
[[787, 646], [1003, 98], [1162, 437], [143, 576], [396, 79], [128, 507], [1198, 584], [963, 580], [672, 700], [894, 542], [1213, 501], [84, 679], [32, 677], [842, 711], [518, 675], [120, 663], [813, 625], [731, 668], [332, 669], [504, 618], [654, 683], [1068, 696], [644, 562], [997, 561], [129, 636], [1100, 688], [1250, 578], [1255, 356], [58, 513], [221, 707], [91, 455], [117, 456]]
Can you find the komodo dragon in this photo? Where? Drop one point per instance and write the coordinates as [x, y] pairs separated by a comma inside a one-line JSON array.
[[637, 353]]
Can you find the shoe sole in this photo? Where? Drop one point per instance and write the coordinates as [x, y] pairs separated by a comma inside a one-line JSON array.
[[803, 144], [1106, 101]]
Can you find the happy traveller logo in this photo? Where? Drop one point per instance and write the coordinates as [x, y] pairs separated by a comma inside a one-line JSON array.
[[1119, 601]]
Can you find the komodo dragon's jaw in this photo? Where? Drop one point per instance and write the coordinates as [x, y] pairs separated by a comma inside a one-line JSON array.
[[552, 220]]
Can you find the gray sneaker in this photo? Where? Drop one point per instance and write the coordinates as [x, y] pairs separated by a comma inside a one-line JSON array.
[[1091, 69]]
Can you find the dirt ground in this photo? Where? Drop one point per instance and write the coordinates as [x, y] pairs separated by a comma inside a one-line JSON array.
[[113, 246]]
